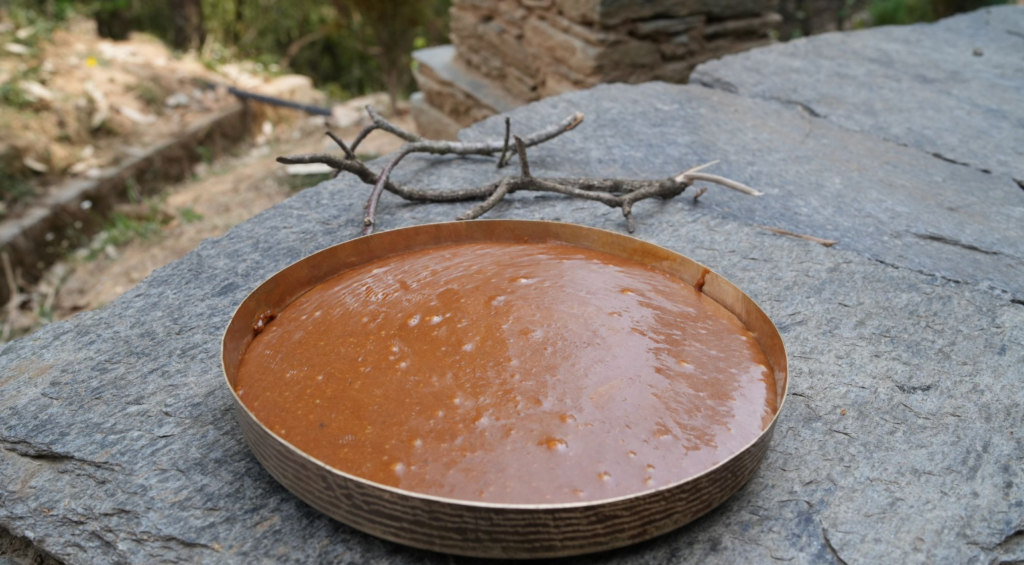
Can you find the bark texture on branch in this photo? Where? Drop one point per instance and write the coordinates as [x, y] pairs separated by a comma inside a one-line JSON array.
[[616, 193]]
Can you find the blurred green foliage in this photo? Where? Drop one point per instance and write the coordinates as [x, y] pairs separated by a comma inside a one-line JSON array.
[[340, 43], [894, 12], [349, 47], [887, 12]]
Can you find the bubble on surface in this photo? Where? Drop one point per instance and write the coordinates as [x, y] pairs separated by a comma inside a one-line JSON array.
[[554, 444]]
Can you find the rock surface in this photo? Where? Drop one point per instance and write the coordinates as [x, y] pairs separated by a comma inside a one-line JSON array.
[[901, 441], [887, 202], [953, 88]]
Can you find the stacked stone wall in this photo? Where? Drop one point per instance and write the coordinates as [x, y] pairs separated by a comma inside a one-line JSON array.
[[538, 48]]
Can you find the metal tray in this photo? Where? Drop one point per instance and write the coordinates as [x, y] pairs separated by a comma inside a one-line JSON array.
[[487, 529]]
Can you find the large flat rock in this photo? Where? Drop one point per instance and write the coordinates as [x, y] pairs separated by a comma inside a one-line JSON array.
[[952, 89], [901, 442], [891, 203]]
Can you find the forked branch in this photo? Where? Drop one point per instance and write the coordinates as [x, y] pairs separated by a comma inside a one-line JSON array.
[[622, 194]]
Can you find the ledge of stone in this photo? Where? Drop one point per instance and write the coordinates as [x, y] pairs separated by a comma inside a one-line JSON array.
[[443, 62], [118, 442], [951, 89]]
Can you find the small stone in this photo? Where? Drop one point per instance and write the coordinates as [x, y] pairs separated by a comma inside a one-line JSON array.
[[613, 12], [35, 91], [136, 116], [758, 25], [35, 166], [178, 100], [17, 49], [667, 26]]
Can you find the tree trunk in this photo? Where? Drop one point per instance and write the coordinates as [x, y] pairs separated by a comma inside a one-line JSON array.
[[112, 21], [236, 29], [189, 32]]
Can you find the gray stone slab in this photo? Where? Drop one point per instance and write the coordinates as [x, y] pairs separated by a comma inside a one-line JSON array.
[[920, 85], [901, 441], [443, 61], [891, 203]]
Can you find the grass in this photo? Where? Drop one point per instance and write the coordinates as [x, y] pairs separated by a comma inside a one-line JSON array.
[[189, 215], [121, 230], [205, 154], [13, 189], [12, 95]]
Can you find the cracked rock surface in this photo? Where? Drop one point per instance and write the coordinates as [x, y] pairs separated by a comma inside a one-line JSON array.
[[902, 440], [951, 89]]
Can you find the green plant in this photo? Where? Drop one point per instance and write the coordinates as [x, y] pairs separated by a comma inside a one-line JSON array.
[[205, 154], [13, 188], [338, 43], [189, 215], [12, 95], [43, 14], [122, 229], [898, 12]]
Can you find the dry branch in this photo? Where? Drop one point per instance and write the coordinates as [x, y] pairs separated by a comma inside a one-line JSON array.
[[615, 193]]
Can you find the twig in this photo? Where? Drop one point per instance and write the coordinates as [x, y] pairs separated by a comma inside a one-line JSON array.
[[504, 149], [524, 163], [728, 183], [348, 152], [418, 145], [616, 193], [700, 192], [371, 203], [818, 240], [482, 208], [378, 122]]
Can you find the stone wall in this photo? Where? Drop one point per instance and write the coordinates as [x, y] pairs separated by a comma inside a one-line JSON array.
[[532, 49], [537, 48]]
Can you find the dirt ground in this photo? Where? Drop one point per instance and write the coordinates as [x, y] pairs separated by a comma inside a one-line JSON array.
[[71, 103], [222, 194]]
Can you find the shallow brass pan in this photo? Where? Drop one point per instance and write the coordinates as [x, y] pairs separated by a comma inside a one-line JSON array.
[[487, 529]]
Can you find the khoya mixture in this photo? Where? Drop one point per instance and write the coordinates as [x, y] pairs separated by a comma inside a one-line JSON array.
[[510, 373]]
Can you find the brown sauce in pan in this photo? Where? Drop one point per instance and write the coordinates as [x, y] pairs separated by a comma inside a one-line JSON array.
[[510, 373]]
